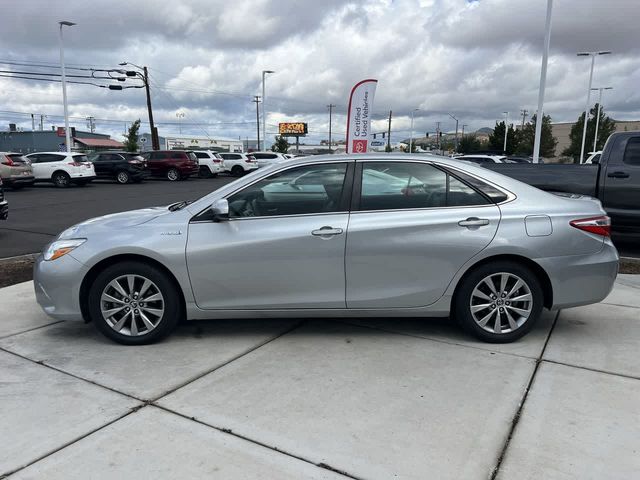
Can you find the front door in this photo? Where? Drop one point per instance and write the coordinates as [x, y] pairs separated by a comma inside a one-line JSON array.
[[621, 195], [411, 229], [282, 247]]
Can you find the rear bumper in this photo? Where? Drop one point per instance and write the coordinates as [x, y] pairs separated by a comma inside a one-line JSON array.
[[4, 210], [57, 286], [18, 181], [582, 279], [86, 179]]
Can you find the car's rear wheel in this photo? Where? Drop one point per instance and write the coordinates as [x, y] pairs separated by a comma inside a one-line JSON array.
[[499, 302], [123, 177], [134, 303], [61, 179], [205, 172], [237, 171], [173, 174]]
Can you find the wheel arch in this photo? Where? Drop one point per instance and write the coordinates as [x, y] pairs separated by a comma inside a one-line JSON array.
[[95, 270], [538, 271], [59, 171]]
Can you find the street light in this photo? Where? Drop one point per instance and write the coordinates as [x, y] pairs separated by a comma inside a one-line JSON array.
[[411, 138], [264, 110], [456, 129], [67, 133], [595, 137], [506, 131], [593, 56]]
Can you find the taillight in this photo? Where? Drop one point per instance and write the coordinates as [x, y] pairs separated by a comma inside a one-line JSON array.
[[215, 160], [8, 162], [250, 159], [598, 225], [75, 164]]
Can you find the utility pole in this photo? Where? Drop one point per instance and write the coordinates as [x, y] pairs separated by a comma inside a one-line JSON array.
[[155, 141], [456, 130], [506, 131], [438, 134], [41, 122], [330, 106], [33, 122], [463, 125], [389, 133], [543, 82], [256, 100], [524, 112], [91, 124]]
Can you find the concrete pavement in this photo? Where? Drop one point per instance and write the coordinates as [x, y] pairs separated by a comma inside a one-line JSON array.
[[367, 398]]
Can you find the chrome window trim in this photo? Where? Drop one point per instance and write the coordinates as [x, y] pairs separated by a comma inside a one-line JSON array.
[[235, 219]]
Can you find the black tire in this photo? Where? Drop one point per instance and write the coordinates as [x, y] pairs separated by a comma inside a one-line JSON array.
[[61, 179], [17, 186], [173, 175], [205, 172], [237, 171], [171, 316], [123, 177], [82, 183], [463, 300]]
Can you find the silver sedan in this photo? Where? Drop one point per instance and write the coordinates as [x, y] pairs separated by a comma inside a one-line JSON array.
[[337, 236]]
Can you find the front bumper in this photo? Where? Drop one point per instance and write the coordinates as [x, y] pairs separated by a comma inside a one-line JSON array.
[[582, 279], [57, 286], [4, 210]]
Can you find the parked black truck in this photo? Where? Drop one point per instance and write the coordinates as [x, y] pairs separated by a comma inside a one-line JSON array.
[[614, 180]]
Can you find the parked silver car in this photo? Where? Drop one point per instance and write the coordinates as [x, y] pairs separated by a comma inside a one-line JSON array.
[[375, 235]]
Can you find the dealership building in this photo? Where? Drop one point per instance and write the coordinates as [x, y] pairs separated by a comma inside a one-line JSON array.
[[191, 142], [54, 140]]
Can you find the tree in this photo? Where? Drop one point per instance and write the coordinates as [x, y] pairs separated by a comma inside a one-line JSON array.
[[469, 144], [548, 142], [606, 127], [131, 137], [281, 145], [496, 139]]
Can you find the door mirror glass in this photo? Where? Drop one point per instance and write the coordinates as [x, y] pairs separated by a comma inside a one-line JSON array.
[[220, 210]]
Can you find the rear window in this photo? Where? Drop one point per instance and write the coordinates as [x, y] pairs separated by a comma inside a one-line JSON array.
[[16, 157], [80, 158], [201, 155], [230, 156]]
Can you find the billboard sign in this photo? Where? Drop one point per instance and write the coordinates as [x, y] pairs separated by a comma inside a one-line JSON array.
[[292, 129], [359, 116]]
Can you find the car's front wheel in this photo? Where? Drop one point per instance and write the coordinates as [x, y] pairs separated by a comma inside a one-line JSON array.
[[134, 303], [499, 302]]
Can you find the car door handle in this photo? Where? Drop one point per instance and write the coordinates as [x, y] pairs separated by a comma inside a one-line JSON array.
[[618, 175], [474, 222], [326, 232]]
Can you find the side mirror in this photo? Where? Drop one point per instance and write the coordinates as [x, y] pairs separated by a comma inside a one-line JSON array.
[[220, 210]]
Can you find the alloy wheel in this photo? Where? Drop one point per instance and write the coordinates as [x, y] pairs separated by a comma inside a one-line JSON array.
[[61, 180], [132, 305], [123, 177], [501, 303], [173, 175]]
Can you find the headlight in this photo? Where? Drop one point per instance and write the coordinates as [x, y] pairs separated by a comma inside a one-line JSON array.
[[60, 248]]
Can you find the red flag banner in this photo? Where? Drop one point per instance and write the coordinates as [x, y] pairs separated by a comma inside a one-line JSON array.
[[359, 116]]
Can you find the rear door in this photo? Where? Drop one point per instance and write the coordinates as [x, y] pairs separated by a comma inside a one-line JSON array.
[[621, 193], [49, 163], [100, 164], [412, 227], [157, 162]]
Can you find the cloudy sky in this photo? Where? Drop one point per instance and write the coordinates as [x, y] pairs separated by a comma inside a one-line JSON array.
[[473, 59]]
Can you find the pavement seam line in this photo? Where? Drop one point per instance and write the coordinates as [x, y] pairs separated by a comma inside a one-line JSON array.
[[620, 305], [46, 365], [516, 418], [589, 369], [27, 231], [228, 431], [231, 360], [73, 441], [431, 339], [30, 330]]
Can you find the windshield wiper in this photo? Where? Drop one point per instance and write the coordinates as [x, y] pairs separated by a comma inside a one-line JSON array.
[[180, 205]]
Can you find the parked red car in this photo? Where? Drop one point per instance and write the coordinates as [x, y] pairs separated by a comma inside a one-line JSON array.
[[172, 164]]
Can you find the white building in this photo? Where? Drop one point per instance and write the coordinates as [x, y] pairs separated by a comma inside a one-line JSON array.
[[191, 142]]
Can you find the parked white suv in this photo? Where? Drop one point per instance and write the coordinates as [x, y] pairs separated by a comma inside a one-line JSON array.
[[61, 168], [480, 159], [210, 163], [238, 163], [265, 159]]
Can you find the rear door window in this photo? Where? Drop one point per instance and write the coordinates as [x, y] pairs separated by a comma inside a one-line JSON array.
[[157, 156], [411, 185], [201, 155]]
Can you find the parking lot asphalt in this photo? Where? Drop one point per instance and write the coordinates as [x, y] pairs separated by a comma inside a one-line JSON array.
[[39, 213], [323, 399]]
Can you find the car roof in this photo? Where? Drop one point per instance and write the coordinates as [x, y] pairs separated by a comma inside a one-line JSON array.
[[60, 153]]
